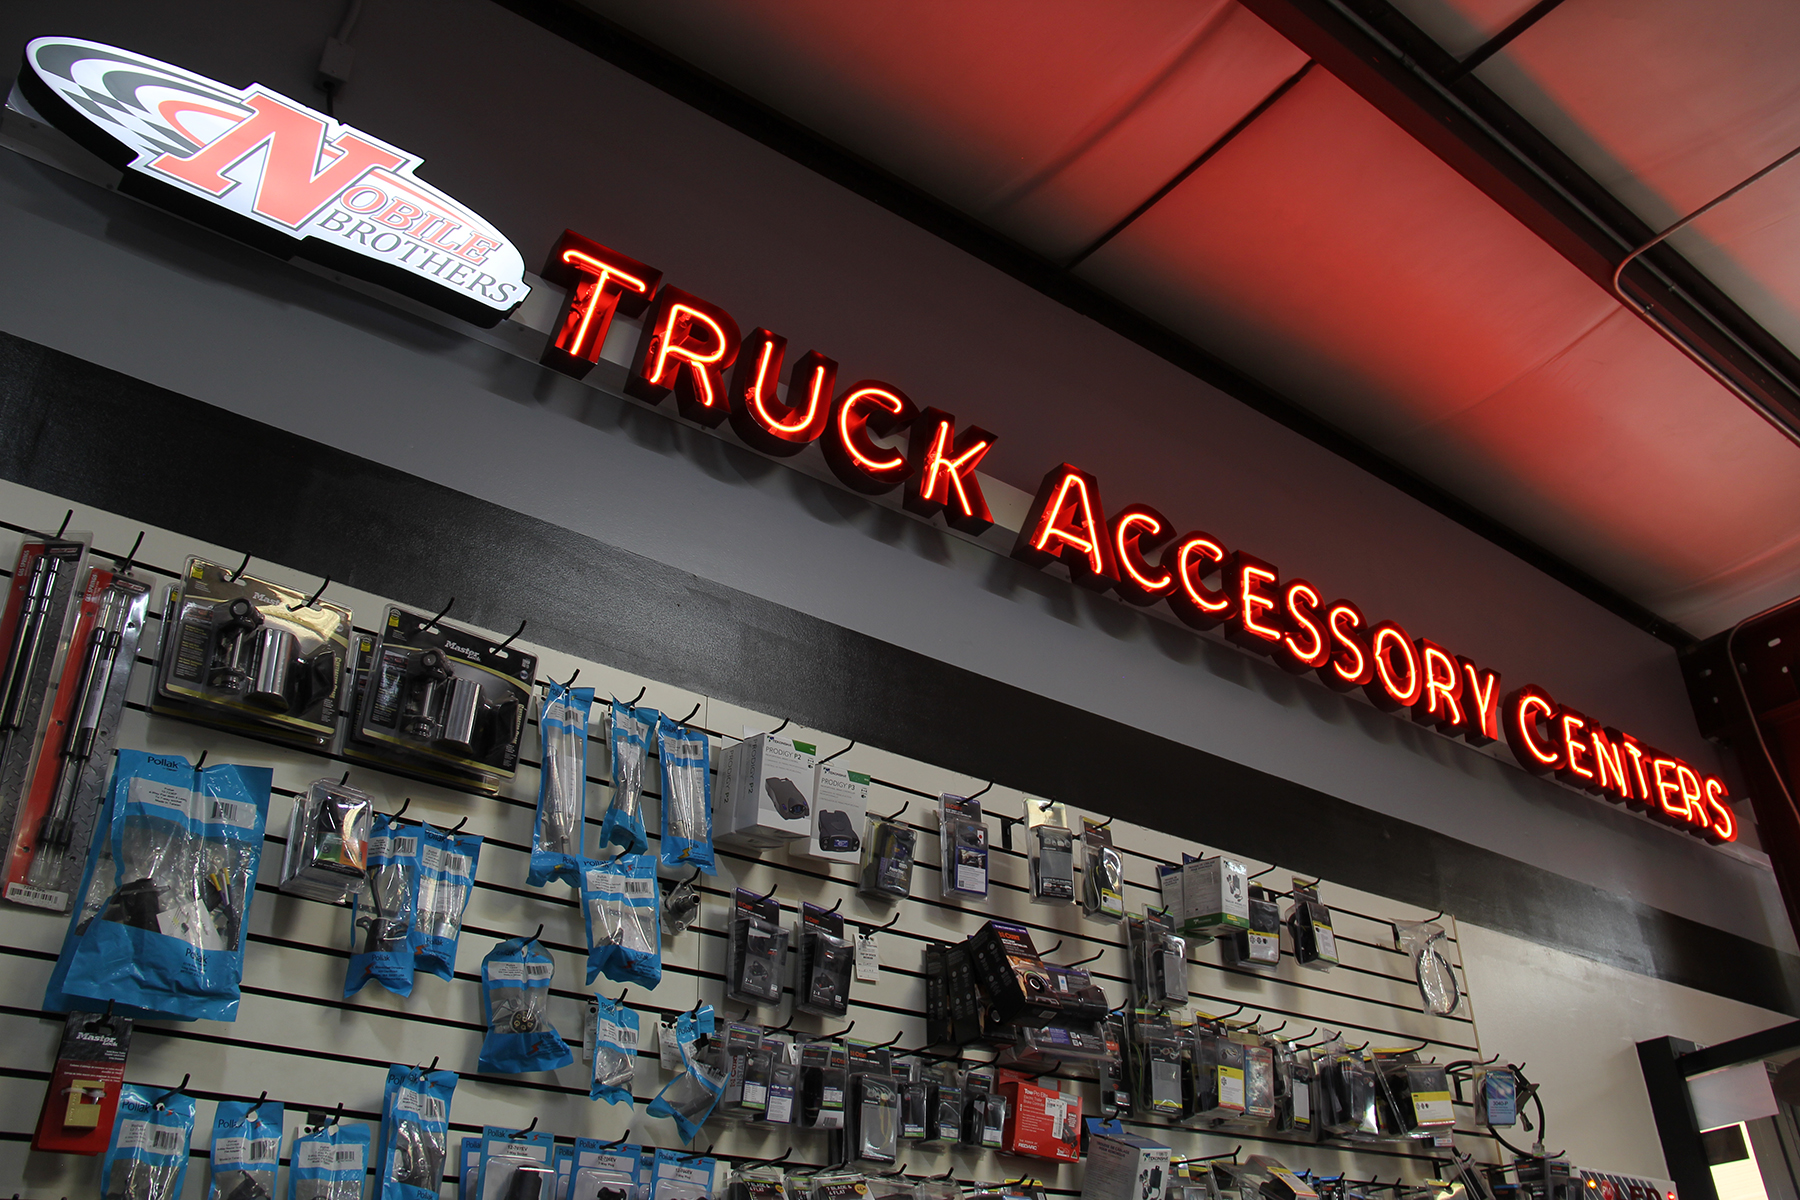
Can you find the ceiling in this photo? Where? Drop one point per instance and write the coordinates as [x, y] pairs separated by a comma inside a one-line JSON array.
[[1200, 168]]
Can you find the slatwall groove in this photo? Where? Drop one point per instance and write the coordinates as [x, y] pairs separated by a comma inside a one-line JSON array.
[[293, 1013]]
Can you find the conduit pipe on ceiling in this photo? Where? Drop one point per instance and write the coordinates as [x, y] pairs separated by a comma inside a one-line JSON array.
[[1673, 337]]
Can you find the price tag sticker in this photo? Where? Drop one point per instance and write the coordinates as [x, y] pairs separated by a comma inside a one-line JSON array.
[[668, 1050], [868, 959]]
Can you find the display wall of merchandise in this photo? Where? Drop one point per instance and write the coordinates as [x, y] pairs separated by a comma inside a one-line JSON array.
[[299, 1040]]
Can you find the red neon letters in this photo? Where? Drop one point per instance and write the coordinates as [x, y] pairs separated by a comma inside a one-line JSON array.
[[685, 347], [760, 417], [1134, 531], [600, 283], [1066, 524], [1546, 736], [943, 471], [867, 410], [687, 344]]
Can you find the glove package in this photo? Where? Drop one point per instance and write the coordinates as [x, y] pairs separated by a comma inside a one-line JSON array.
[[246, 1148], [628, 738], [415, 1133], [515, 1002], [147, 1157], [446, 876], [619, 907], [168, 937], [381, 932], [685, 755], [560, 829], [329, 1163]]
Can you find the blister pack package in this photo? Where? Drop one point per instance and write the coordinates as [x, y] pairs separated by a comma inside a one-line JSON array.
[[169, 937], [442, 703], [560, 828], [55, 812], [327, 856], [623, 919], [247, 653]]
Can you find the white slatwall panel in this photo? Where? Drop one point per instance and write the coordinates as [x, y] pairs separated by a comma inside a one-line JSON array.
[[297, 1038]]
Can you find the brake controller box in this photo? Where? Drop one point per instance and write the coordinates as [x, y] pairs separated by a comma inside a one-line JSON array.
[[840, 802], [1123, 1166], [764, 793]]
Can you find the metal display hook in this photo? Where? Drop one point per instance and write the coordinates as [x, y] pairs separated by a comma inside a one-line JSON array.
[[515, 633], [840, 753], [442, 613], [234, 576], [312, 599], [125, 564]]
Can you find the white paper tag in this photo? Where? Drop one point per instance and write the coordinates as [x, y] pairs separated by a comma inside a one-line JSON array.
[[1327, 943], [868, 959], [971, 879], [667, 1049]]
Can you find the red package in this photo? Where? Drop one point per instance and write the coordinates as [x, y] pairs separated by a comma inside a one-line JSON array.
[[84, 1088], [1040, 1122]]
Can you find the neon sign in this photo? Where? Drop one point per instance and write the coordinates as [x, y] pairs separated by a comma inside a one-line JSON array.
[[1135, 551], [270, 171]]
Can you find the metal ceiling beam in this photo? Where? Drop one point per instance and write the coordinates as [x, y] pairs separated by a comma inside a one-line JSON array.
[[610, 42], [1391, 63]]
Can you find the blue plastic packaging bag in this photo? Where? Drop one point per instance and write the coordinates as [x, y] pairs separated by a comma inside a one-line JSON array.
[[628, 740], [148, 1153], [624, 921], [381, 935], [515, 1003], [615, 1052], [691, 1096], [516, 1162], [169, 938], [415, 1133], [446, 876], [329, 1163], [685, 756], [559, 832], [246, 1148]]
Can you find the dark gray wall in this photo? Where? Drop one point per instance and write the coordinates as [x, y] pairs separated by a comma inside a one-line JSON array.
[[538, 135]]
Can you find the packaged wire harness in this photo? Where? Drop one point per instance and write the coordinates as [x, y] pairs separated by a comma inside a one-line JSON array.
[[381, 931], [415, 1133], [446, 873], [148, 1157], [628, 738], [168, 936], [558, 832], [619, 907], [515, 1000], [685, 755]]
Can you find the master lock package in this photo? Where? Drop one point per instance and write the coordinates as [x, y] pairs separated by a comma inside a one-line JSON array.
[[442, 702], [245, 653]]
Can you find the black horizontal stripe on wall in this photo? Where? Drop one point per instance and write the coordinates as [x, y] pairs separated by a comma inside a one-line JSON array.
[[102, 438]]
